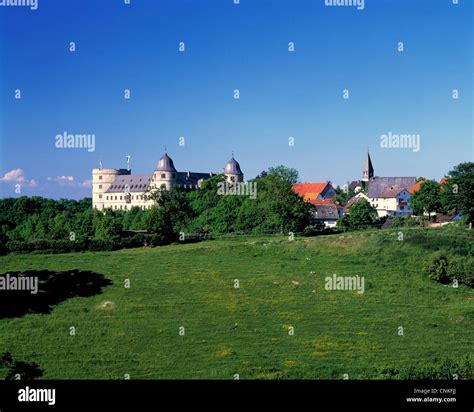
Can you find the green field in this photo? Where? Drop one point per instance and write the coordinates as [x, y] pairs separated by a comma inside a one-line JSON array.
[[245, 330]]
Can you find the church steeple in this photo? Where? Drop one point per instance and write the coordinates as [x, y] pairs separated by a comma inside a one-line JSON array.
[[368, 170]]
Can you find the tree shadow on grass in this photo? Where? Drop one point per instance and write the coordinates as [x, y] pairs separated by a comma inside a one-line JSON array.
[[53, 288], [18, 370]]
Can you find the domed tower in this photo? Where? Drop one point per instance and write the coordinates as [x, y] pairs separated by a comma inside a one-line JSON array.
[[165, 174], [102, 179], [232, 171]]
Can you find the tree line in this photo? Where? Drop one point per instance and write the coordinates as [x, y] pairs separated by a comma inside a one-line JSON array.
[[36, 223]]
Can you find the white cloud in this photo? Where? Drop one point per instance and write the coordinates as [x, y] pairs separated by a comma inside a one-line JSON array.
[[13, 176], [62, 180], [17, 176], [86, 183]]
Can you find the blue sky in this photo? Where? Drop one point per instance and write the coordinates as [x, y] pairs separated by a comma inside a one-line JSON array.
[[244, 47]]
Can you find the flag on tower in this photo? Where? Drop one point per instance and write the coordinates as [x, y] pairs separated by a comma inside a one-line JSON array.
[[127, 158]]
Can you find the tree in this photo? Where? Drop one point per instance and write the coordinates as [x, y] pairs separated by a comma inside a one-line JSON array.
[[277, 208], [174, 206], [107, 226], [159, 225], [343, 194], [458, 193], [362, 213], [287, 174], [426, 199]]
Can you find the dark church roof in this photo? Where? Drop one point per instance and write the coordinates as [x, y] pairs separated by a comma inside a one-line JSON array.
[[368, 170], [389, 186]]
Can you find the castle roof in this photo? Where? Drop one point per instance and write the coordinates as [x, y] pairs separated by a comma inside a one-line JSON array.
[[186, 179], [232, 167], [165, 164], [130, 183]]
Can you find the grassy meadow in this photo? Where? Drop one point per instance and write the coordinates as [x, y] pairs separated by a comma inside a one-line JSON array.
[[245, 330]]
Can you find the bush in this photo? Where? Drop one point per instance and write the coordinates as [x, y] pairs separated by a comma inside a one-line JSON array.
[[99, 245], [445, 369], [438, 269], [399, 221], [446, 270], [314, 229]]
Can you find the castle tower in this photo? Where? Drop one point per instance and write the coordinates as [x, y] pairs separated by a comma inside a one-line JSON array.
[[232, 171], [368, 170], [102, 179], [165, 174]]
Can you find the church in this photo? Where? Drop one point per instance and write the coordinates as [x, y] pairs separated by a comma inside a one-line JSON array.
[[389, 195], [119, 189]]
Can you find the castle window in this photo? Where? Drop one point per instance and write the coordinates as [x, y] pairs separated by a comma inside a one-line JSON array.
[[106, 197], [163, 175], [115, 197], [232, 178], [100, 177], [120, 197], [100, 186], [174, 175], [100, 196]]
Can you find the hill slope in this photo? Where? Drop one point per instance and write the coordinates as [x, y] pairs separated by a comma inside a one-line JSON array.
[[246, 330]]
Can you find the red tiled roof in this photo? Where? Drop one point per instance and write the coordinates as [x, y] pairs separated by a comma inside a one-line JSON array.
[[442, 182], [309, 191], [416, 187]]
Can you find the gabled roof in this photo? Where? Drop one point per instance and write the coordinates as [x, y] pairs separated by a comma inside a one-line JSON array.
[[387, 193], [310, 191], [379, 185], [354, 199], [326, 212]]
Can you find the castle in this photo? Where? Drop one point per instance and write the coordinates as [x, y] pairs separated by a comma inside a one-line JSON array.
[[119, 189]]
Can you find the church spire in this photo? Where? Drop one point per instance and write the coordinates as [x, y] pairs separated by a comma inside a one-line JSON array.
[[368, 170]]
